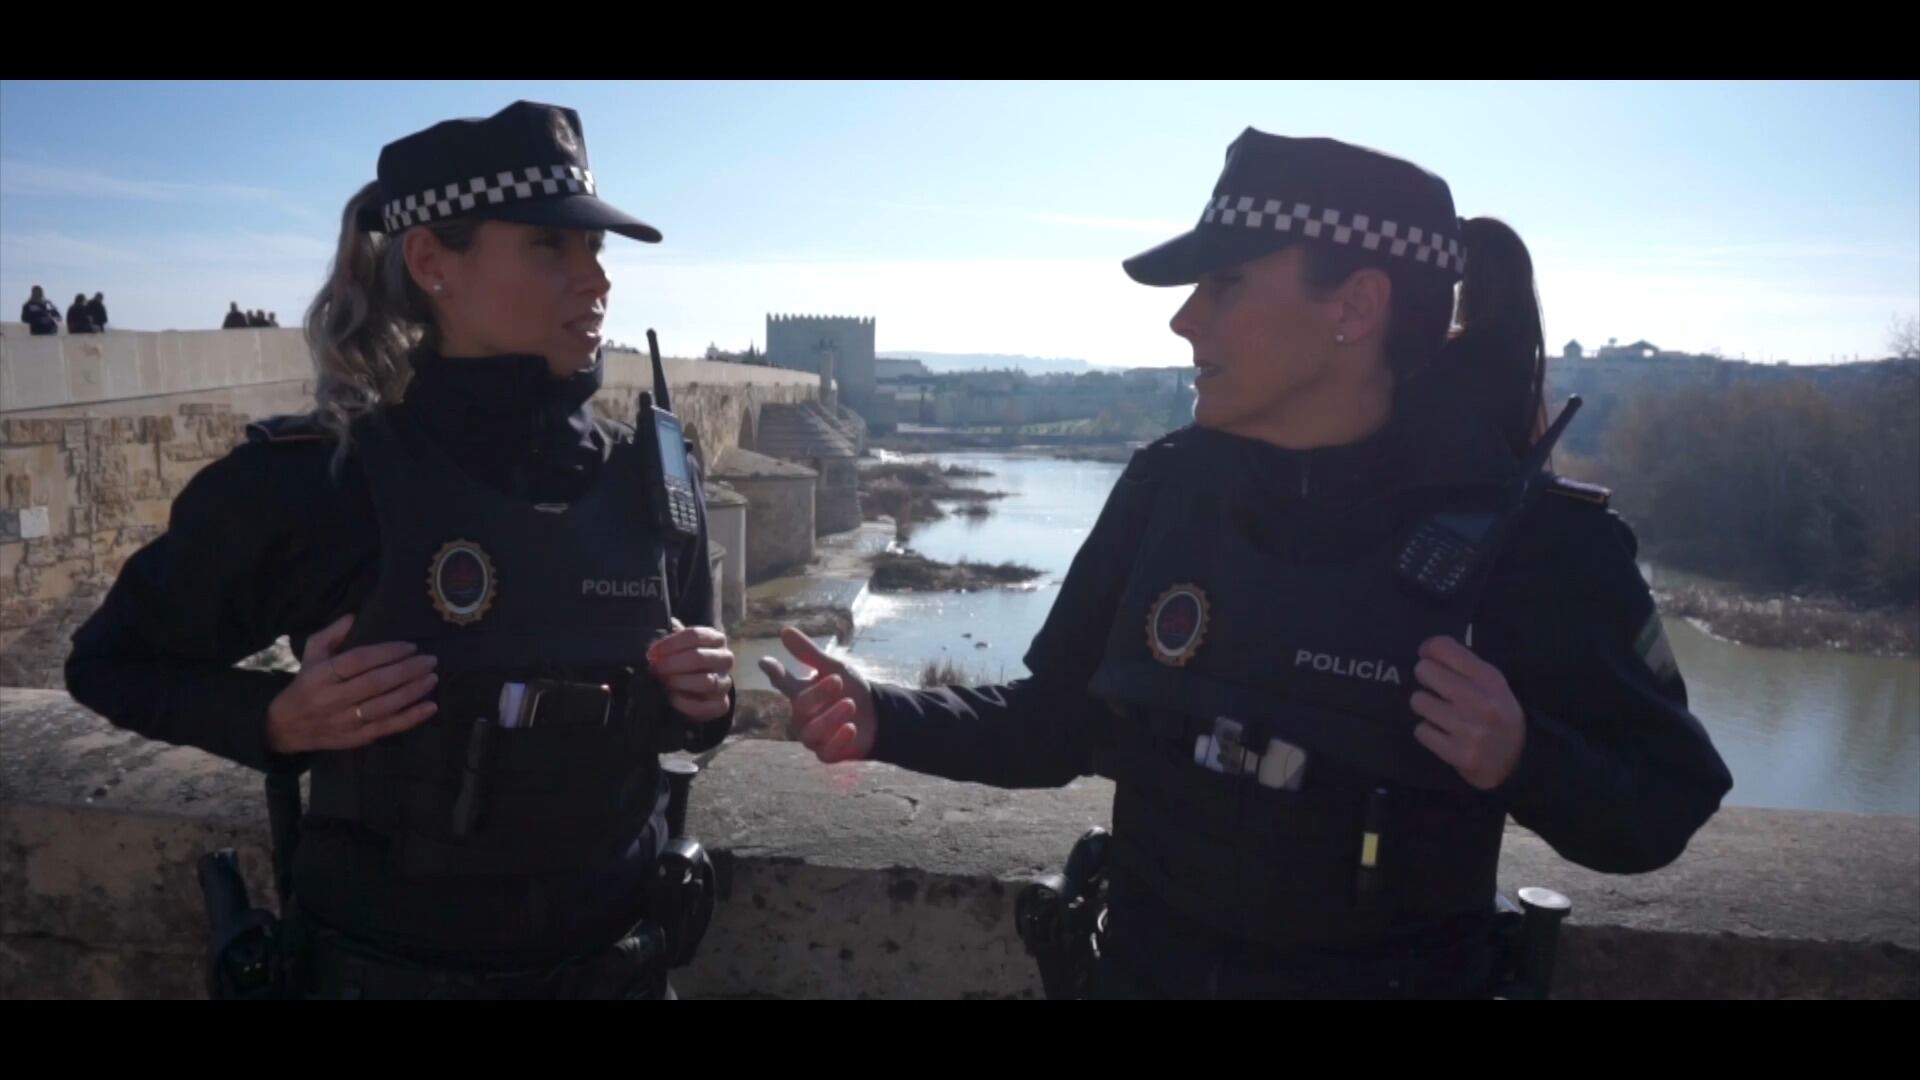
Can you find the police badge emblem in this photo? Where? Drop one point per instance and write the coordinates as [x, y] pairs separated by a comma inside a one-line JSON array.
[[1176, 624], [563, 133], [461, 582]]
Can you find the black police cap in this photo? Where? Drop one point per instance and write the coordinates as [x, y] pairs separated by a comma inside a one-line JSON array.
[[1278, 191], [526, 163]]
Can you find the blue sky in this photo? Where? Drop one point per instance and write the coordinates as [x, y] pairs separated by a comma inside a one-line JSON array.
[[1778, 220]]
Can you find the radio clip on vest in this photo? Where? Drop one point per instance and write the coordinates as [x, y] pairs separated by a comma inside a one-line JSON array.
[[1446, 552], [675, 507]]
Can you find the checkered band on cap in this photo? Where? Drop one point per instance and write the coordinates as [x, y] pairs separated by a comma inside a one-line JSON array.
[[1407, 242], [451, 200]]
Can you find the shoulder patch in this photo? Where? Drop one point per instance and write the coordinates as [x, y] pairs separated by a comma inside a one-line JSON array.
[[1651, 645], [1574, 489]]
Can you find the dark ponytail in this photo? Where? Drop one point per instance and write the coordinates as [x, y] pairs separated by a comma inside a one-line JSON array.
[[1490, 344], [1497, 350]]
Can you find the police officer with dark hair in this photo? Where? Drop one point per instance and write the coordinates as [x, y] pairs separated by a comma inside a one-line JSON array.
[[79, 317], [41, 315], [497, 635], [1328, 638]]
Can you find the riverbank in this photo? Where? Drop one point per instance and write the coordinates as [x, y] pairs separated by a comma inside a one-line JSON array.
[[911, 493], [1065, 447], [1774, 620], [908, 571]]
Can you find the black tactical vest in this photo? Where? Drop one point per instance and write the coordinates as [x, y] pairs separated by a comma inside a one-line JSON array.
[[1261, 696], [502, 590]]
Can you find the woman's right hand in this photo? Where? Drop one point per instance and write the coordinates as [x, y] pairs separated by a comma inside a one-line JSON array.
[[833, 713], [344, 700]]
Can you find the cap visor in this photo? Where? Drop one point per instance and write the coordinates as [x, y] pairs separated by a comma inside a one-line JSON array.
[[1181, 260], [572, 212]]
